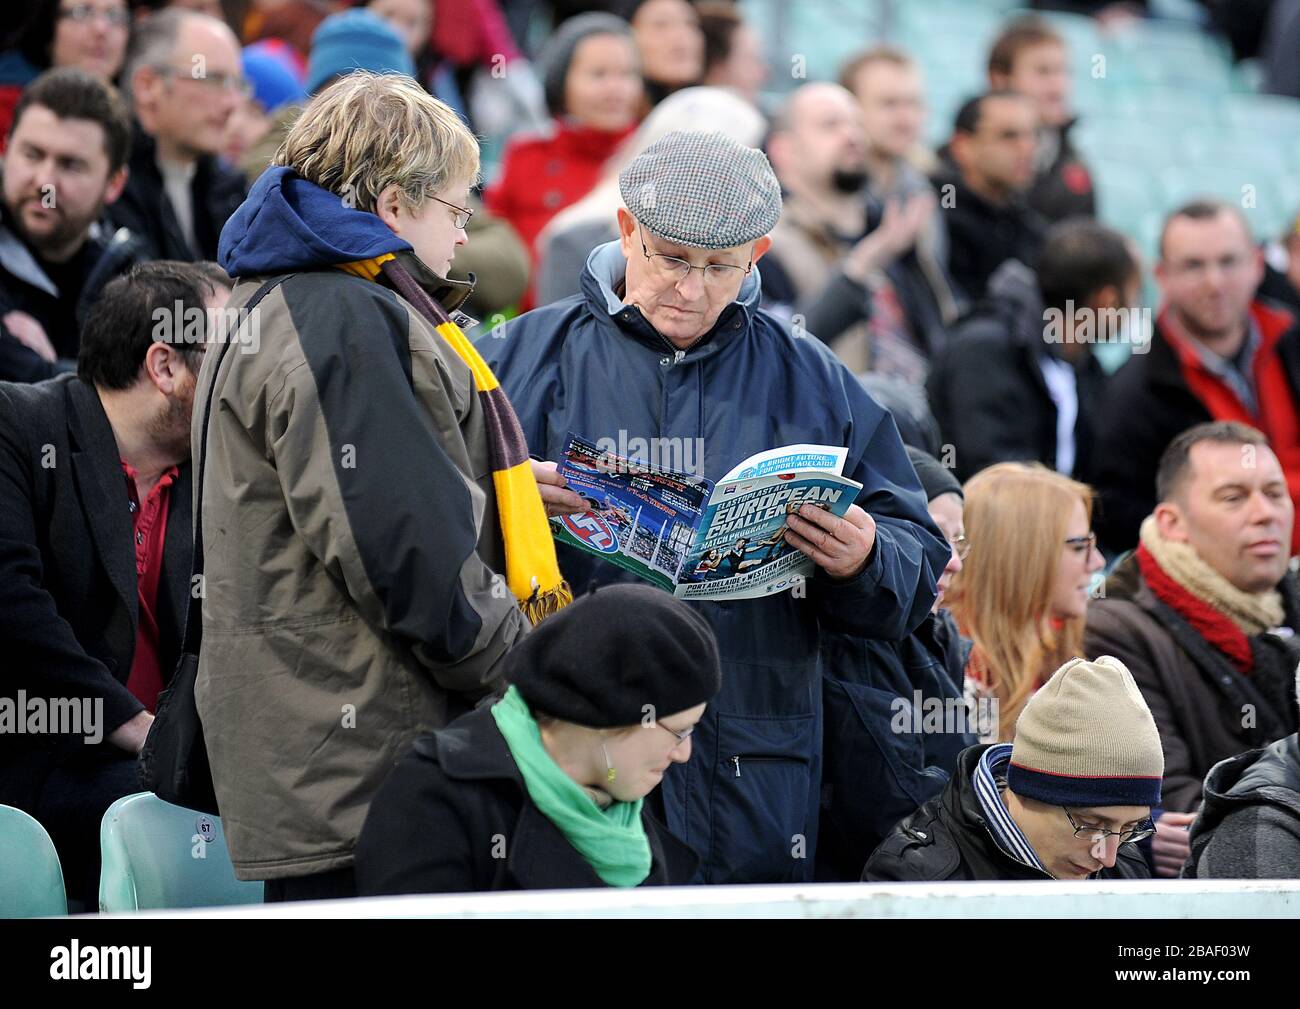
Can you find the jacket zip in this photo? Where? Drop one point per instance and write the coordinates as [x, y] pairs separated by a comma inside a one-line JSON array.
[[678, 354], [762, 758]]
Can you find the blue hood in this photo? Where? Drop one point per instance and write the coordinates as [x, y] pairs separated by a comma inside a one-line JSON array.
[[288, 224]]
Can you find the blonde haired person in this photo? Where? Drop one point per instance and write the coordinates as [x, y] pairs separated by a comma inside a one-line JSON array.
[[364, 485], [1022, 593]]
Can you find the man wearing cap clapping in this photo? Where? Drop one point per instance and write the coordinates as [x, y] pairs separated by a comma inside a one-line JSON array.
[[667, 341]]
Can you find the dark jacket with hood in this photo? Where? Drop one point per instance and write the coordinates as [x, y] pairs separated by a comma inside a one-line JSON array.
[[217, 191], [981, 236], [350, 532], [26, 287], [987, 390], [948, 838], [433, 825], [1249, 827], [895, 725], [748, 799], [1205, 709]]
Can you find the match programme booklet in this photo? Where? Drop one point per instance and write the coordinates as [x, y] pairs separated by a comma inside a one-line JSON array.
[[696, 539]]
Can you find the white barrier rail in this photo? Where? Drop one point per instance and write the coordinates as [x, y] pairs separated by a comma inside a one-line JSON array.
[[1099, 899]]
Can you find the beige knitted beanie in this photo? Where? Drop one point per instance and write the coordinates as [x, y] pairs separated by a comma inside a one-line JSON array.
[[1087, 738]]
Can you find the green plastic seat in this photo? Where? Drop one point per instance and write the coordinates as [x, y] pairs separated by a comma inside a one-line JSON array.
[[31, 879], [156, 855], [822, 36], [1126, 193], [1249, 185], [1080, 31]]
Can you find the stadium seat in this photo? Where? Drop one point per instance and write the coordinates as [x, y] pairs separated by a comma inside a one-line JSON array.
[[1248, 185], [1274, 116], [821, 35], [1080, 32], [1172, 54], [31, 879], [156, 855]]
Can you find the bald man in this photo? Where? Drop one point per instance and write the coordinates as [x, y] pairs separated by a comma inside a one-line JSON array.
[[184, 79], [835, 260]]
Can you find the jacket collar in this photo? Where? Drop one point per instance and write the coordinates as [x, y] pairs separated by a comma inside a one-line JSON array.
[[144, 158], [1163, 369], [969, 822], [178, 551], [603, 276], [1271, 774], [971, 200], [797, 212], [18, 260], [1013, 289], [450, 294], [97, 469], [539, 857]]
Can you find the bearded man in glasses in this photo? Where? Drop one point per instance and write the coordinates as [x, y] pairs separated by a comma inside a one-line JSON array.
[[184, 79], [667, 341]]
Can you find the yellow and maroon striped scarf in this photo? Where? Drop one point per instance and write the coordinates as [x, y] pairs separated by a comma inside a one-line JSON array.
[[532, 572]]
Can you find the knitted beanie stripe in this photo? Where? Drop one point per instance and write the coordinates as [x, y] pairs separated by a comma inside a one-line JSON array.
[[1087, 738], [1083, 790]]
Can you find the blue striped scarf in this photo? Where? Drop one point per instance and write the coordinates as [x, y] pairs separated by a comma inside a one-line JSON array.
[[989, 779]]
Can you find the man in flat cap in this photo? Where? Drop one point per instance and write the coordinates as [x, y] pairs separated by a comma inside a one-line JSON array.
[[667, 342]]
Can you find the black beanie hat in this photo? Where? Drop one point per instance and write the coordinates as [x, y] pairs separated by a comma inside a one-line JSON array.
[[556, 55], [935, 477], [607, 655]]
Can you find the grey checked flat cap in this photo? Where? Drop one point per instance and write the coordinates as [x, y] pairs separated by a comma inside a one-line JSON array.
[[702, 190]]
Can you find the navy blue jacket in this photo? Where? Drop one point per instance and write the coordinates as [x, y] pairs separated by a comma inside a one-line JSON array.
[[886, 754], [748, 799]]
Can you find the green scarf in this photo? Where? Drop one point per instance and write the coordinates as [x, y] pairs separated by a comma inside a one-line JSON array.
[[613, 840]]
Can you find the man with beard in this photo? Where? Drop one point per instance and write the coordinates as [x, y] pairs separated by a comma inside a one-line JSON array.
[[825, 240], [95, 552], [65, 163]]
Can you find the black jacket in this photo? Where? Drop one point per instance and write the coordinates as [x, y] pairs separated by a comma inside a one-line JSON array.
[[1197, 697], [948, 839], [68, 593], [981, 236], [1146, 404], [217, 190], [454, 816], [1064, 188], [1249, 827], [25, 287], [986, 387], [1276, 288], [877, 766]]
